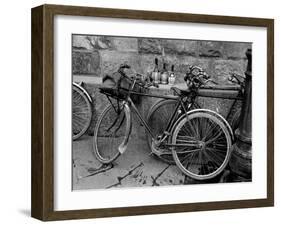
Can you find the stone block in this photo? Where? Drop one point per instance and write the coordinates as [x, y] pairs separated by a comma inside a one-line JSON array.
[[180, 47], [149, 45], [81, 42], [111, 61], [100, 42], [91, 42], [86, 62], [210, 49], [235, 50], [220, 70], [125, 44]]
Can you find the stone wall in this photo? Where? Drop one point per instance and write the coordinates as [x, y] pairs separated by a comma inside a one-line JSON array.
[[100, 55], [96, 56]]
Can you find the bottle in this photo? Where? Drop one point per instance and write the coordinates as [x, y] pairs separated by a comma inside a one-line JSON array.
[[172, 77], [164, 75], [155, 73]]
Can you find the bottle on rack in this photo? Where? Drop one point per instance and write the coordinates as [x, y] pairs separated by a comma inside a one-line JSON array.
[[164, 75], [172, 77], [155, 75]]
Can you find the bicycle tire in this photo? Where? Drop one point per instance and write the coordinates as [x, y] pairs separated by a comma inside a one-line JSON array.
[[81, 111], [111, 126], [213, 164]]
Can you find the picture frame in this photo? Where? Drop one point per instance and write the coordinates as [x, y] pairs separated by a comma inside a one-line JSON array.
[[43, 173]]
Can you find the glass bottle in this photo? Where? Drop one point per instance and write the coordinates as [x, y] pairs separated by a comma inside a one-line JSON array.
[[164, 75], [155, 73], [172, 77]]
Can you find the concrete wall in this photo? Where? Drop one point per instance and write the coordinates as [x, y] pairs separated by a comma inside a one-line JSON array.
[[96, 56]]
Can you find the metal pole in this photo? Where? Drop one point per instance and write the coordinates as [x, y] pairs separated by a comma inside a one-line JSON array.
[[241, 159]]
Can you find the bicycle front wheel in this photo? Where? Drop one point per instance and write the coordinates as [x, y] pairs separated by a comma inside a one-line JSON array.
[[202, 145], [81, 112], [112, 132]]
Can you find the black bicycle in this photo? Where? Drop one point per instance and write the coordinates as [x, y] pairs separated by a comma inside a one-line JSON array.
[[198, 140], [199, 85]]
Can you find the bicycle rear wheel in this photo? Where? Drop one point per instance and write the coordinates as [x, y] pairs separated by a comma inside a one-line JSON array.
[[112, 133], [204, 145], [81, 112]]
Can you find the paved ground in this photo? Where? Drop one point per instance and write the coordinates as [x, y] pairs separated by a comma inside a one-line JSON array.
[[135, 168]]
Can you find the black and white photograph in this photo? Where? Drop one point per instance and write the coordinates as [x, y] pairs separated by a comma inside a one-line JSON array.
[[150, 112]]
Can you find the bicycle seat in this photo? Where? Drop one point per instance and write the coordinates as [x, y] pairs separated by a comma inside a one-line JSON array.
[[180, 92]]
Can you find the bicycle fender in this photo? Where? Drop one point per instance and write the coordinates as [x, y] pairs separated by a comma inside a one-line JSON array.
[[122, 147]]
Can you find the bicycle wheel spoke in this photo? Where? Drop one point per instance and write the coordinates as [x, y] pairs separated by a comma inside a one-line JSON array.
[[215, 161], [195, 128], [79, 123], [188, 131], [211, 159], [217, 153], [215, 137], [210, 131], [188, 163], [191, 128], [209, 164], [209, 128]]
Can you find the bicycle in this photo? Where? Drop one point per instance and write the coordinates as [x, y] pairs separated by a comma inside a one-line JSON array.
[[81, 111], [200, 140], [161, 111]]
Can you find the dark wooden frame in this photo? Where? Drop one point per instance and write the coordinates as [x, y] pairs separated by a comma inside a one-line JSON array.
[[42, 203]]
